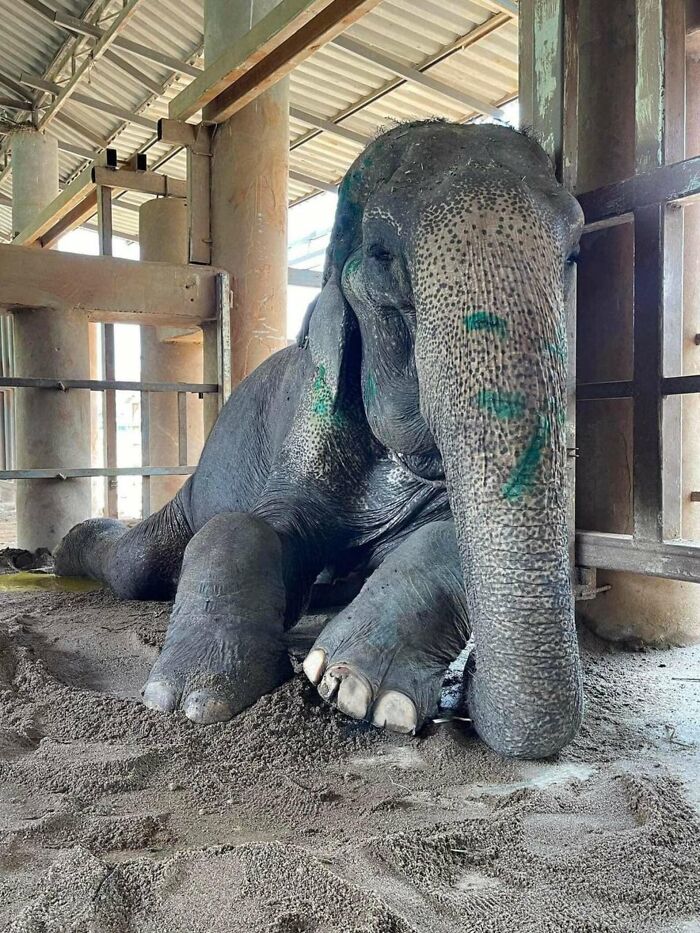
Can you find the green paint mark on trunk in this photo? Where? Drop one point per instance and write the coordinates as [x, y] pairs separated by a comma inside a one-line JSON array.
[[506, 406], [370, 388], [524, 472], [486, 321], [322, 398]]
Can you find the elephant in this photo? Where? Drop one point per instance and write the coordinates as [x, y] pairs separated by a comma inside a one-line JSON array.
[[415, 434]]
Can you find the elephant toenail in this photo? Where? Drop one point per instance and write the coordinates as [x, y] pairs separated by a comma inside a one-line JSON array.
[[204, 707], [315, 664], [396, 712], [329, 685], [354, 696], [159, 695]]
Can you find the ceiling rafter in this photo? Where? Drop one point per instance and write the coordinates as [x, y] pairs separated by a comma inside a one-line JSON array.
[[413, 75], [468, 39], [52, 87]]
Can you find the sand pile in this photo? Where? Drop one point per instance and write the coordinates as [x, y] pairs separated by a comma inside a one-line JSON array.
[[291, 818]]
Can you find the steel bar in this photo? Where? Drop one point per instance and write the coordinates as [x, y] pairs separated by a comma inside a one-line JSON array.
[[101, 385], [181, 428], [589, 391], [680, 385], [145, 454], [97, 471], [110, 421]]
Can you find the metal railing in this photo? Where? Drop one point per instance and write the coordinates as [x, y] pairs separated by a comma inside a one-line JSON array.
[[146, 471]]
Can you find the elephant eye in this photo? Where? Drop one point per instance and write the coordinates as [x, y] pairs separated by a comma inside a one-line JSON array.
[[573, 257], [379, 253]]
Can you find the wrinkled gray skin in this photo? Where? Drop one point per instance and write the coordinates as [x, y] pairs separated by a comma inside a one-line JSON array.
[[416, 433]]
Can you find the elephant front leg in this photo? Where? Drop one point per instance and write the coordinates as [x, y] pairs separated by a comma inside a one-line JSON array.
[[224, 646], [384, 658]]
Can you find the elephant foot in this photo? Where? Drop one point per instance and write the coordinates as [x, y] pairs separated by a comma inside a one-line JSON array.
[[213, 672], [389, 674], [384, 658], [224, 646]]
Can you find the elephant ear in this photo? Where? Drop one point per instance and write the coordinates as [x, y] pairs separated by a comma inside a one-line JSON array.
[[331, 324]]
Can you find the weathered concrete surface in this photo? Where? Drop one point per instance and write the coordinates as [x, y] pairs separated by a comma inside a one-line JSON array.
[[249, 199], [34, 175], [164, 358], [53, 427]]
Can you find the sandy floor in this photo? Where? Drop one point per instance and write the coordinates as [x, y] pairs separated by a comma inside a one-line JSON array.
[[291, 818]]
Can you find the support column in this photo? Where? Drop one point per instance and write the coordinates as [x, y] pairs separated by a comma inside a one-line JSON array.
[[637, 608], [52, 427], [168, 354], [249, 198], [690, 469]]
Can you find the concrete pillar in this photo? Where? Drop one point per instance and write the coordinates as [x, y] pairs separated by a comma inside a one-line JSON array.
[[168, 354], [249, 198], [52, 427], [636, 608], [690, 515], [34, 175]]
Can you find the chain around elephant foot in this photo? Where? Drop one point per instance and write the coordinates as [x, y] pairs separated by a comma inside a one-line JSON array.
[[384, 657]]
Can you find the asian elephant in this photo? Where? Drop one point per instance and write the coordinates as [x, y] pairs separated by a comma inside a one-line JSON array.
[[416, 432]]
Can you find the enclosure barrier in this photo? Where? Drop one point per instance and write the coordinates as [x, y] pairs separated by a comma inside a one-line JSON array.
[[651, 202], [108, 385]]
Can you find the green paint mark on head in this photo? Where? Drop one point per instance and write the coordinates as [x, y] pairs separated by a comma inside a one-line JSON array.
[[486, 321], [525, 469], [352, 265], [506, 406], [322, 398]]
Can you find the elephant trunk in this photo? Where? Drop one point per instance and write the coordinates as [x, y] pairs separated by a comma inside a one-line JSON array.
[[523, 686], [491, 356]]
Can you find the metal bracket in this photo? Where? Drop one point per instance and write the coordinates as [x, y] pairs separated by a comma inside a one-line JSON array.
[[585, 587]]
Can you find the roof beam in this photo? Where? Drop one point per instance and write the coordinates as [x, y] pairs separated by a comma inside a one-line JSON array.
[[98, 50], [307, 278], [511, 7], [157, 58], [75, 150], [125, 179], [328, 125], [107, 289], [416, 77], [73, 202], [287, 36], [78, 200], [464, 41], [133, 72], [13, 85], [9, 103], [82, 130], [79, 27], [51, 87], [313, 182]]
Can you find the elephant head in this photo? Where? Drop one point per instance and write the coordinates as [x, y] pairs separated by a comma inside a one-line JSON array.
[[452, 252]]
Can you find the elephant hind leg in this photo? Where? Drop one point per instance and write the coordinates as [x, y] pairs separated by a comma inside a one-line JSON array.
[[136, 563], [384, 657]]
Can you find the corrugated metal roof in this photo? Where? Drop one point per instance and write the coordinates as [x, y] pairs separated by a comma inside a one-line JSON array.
[[434, 37]]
